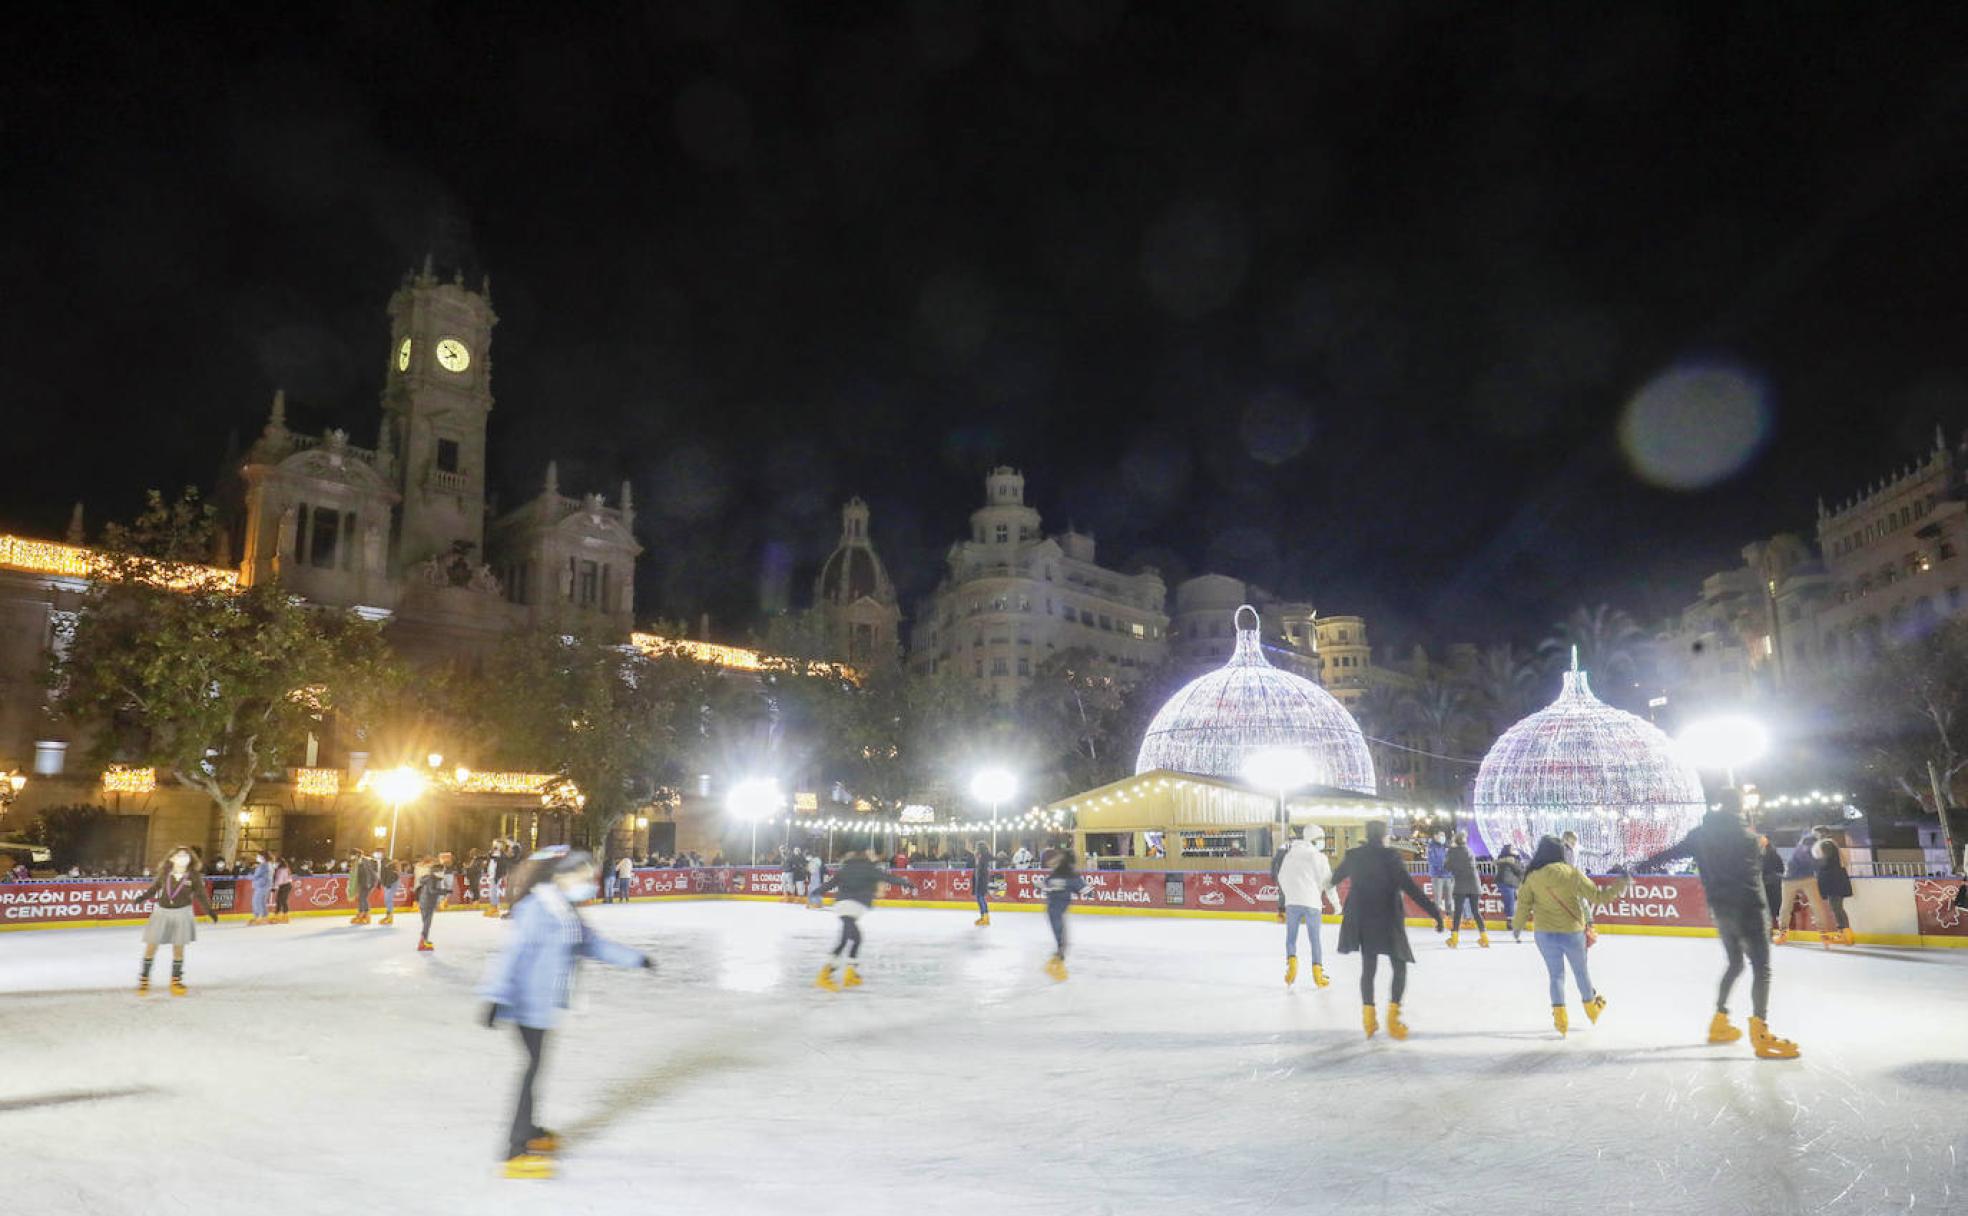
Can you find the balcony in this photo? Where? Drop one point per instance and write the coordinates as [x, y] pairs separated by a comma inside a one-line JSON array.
[[450, 483]]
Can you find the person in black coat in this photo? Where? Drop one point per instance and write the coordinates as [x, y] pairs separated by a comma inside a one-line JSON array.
[[980, 882], [1375, 922], [1773, 876], [1835, 887]]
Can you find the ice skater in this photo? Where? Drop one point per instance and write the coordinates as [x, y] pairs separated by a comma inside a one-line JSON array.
[[283, 890], [1834, 887], [1304, 876], [262, 880], [980, 882], [1510, 876], [496, 865], [1726, 857], [430, 878], [1440, 881], [1461, 864], [1773, 875], [1554, 904], [362, 880], [1062, 883], [1375, 922], [816, 874], [855, 886], [529, 982], [387, 876], [179, 888], [1801, 875]]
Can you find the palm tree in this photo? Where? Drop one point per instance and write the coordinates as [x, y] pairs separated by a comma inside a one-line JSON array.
[[1502, 682], [1607, 640], [1438, 721]]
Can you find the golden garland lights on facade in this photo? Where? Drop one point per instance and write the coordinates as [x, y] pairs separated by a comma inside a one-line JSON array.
[[318, 782], [736, 658], [505, 783], [74, 561], [124, 779]]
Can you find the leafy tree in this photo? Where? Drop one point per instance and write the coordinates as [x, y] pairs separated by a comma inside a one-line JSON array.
[[1439, 721], [169, 663], [1608, 640], [1908, 708], [1075, 715], [71, 833]]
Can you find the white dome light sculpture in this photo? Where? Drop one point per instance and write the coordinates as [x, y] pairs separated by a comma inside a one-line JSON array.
[[1580, 765], [1214, 724]]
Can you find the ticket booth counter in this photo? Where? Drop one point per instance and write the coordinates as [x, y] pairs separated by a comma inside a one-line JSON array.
[[1164, 820]]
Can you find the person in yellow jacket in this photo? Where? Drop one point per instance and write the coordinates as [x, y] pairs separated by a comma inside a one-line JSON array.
[[1557, 901]]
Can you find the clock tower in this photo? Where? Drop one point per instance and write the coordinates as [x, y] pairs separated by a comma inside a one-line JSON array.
[[437, 394]]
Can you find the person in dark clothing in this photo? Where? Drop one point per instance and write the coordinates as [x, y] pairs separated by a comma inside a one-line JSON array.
[[1468, 891], [1062, 883], [1773, 875], [1510, 876], [179, 888], [362, 880], [855, 886], [433, 876], [1731, 869], [980, 883], [1835, 887], [1375, 922]]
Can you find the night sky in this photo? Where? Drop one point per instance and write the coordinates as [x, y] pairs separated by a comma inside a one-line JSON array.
[[1347, 299]]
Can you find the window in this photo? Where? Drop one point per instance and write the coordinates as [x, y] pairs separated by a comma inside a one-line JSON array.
[[1004, 533], [1024, 666], [1140, 631], [1106, 622], [1086, 616], [324, 532], [447, 455], [590, 588], [977, 666], [998, 668], [1947, 550]]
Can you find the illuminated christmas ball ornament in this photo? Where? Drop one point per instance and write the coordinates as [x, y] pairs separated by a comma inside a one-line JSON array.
[[1214, 724], [1580, 765]]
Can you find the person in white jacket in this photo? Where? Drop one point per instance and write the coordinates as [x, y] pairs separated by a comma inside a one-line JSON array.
[[1304, 876]]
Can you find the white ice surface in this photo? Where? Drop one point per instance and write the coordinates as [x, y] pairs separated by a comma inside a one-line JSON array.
[[319, 1067]]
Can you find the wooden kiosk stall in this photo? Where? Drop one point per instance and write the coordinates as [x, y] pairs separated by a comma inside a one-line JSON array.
[[1165, 820]]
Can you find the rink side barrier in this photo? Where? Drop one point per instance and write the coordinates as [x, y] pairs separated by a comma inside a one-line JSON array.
[[1883, 911]]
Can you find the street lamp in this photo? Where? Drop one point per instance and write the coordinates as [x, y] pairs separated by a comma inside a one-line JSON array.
[[1280, 770], [1725, 743], [995, 786], [11, 785], [754, 798], [396, 787]]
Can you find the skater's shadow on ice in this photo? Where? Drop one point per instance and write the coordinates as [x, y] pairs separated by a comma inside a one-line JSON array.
[[70, 1097], [656, 1085], [1938, 1074]]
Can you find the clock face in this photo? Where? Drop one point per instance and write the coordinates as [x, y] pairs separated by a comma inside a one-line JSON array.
[[452, 355], [403, 356]]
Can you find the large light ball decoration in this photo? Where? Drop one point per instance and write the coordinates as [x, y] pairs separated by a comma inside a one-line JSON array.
[[1580, 765], [1216, 723]]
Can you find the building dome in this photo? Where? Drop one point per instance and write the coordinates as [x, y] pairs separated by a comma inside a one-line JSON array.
[[1580, 765], [1212, 724], [850, 574]]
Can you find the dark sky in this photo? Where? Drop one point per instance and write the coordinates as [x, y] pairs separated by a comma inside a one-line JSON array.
[[1348, 299]]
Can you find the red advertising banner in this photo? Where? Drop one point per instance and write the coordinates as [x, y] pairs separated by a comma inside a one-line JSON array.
[[1222, 892], [1933, 901]]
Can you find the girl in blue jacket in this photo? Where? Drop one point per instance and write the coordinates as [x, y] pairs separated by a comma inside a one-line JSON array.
[[529, 982]]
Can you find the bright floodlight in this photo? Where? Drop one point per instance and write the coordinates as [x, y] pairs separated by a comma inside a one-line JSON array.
[[1724, 743], [399, 785], [754, 798], [1279, 768], [993, 785]]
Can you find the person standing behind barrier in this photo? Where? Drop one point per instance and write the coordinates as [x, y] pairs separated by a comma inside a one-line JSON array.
[[529, 983], [980, 882], [1801, 874], [1461, 865], [624, 878], [816, 876], [362, 880], [1835, 886], [1440, 880], [1773, 876], [283, 890], [1555, 902], [1510, 874], [495, 877], [1304, 877]]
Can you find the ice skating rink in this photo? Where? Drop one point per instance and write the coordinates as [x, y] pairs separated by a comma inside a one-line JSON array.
[[320, 1067]]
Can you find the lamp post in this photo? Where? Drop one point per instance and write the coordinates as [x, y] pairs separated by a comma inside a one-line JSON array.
[[11, 784], [398, 787], [1280, 770], [753, 799], [994, 785], [1725, 743]]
